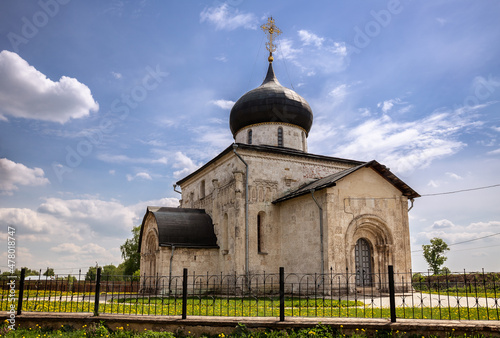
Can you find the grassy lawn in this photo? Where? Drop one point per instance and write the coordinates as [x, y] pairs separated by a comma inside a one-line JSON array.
[[260, 308]]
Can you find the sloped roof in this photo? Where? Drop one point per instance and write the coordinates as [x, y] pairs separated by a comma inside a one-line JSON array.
[[182, 227], [273, 150], [330, 181]]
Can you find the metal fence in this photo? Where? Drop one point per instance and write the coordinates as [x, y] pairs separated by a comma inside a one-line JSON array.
[[463, 296]]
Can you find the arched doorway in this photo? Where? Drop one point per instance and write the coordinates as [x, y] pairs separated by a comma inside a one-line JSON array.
[[149, 273], [363, 261]]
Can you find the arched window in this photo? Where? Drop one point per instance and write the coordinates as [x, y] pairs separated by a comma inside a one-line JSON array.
[[280, 137], [303, 141], [202, 189], [260, 232], [363, 258], [225, 241], [249, 136]]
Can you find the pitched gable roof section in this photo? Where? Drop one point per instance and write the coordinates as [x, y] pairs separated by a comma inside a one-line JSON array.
[[331, 180], [182, 227]]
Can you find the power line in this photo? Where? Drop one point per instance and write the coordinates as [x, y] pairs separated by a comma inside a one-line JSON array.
[[463, 190], [467, 241], [479, 247], [475, 239]]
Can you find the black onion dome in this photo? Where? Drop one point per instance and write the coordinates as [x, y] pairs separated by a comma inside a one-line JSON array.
[[270, 102]]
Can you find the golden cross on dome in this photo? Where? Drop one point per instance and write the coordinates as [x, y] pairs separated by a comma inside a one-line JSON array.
[[272, 32]]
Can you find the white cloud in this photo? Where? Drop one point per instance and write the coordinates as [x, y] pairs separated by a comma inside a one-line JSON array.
[[125, 159], [108, 218], [214, 137], [441, 21], [112, 172], [116, 75], [321, 131], [139, 209], [26, 221], [13, 174], [224, 104], [492, 226], [442, 224], [309, 38], [315, 54], [141, 175], [364, 112], [454, 176], [388, 104], [339, 92], [225, 17], [221, 58], [433, 184], [405, 146], [87, 249], [494, 152], [27, 93], [184, 163], [216, 120]]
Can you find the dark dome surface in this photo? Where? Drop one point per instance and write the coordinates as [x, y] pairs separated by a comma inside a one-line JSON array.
[[270, 102]]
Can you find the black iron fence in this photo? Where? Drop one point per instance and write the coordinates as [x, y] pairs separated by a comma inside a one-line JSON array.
[[464, 296]]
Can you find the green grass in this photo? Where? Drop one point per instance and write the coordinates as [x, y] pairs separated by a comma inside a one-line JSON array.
[[101, 330], [259, 308]]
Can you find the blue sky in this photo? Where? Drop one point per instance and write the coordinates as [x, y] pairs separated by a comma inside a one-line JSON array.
[[105, 104]]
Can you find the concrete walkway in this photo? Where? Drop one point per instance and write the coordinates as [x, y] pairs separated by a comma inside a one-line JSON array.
[[430, 300]]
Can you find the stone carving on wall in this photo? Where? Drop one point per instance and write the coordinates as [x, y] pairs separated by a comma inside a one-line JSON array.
[[262, 191]]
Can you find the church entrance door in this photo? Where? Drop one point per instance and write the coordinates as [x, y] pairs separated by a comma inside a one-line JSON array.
[[363, 260]]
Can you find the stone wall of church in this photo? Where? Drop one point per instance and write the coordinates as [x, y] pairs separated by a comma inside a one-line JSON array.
[[267, 134], [300, 245], [199, 261], [361, 205], [364, 205], [220, 190]]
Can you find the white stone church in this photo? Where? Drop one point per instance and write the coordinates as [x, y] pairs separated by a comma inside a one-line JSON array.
[[265, 202]]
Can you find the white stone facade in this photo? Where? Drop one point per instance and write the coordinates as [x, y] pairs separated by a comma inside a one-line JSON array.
[[362, 205]]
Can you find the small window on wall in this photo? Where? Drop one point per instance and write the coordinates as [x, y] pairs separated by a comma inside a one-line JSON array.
[[249, 138], [202, 189], [280, 137], [260, 232], [303, 141]]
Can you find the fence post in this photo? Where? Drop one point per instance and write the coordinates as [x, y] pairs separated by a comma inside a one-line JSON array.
[[97, 291], [282, 294], [21, 292], [184, 292], [392, 296]]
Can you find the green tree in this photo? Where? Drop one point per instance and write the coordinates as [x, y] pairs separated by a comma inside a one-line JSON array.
[[91, 273], [434, 254], [17, 272], [49, 272], [108, 272], [130, 254]]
